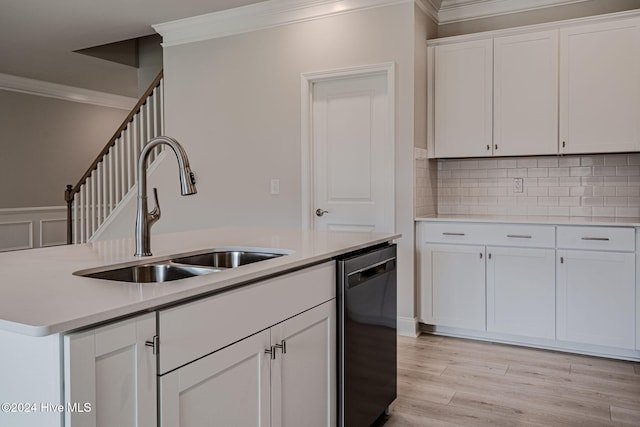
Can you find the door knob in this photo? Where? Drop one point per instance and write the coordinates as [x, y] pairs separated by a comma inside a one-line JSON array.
[[320, 212]]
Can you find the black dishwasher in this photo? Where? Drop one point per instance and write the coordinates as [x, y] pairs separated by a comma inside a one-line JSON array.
[[366, 335]]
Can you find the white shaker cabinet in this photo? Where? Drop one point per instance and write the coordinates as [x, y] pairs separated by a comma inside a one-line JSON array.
[[110, 375], [282, 376], [521, 291], [525, 94], [453, 291], [600, 87], [596, 286], [463, 99]]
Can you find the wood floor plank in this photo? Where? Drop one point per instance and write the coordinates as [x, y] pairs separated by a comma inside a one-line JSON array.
[[454, 382]]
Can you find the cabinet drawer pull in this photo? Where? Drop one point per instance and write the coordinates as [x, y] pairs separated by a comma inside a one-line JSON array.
[[452, 234], [600, 239], [271, 351], [518, 236], [282, 346]]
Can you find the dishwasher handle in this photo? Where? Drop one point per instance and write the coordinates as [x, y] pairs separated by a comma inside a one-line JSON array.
[[370, 272]]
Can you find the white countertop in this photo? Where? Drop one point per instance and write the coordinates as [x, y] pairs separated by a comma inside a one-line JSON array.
[[521, 219], [40, 296]]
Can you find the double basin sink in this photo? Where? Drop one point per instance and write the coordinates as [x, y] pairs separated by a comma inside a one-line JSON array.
[[180, 267]]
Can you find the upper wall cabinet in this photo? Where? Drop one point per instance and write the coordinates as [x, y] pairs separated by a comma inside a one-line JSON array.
[[525, 94], [464, 85], [564, 88], [600, 87]]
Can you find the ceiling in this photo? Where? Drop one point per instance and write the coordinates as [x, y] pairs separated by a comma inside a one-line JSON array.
[[38, 37]]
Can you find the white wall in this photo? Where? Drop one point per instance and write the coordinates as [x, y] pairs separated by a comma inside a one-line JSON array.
[[234, 103]]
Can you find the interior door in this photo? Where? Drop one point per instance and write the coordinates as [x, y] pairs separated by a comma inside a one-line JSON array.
[[353, 154]]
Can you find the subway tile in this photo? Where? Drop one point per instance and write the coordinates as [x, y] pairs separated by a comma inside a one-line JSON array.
[[480, 191], [604, 171], [469, 200], [558, 211], [527, 163], [469, 164], [507, 163], [602, 211], [459, 191], [634, 180], [526, 200], [488, 200], [548, 201], [634, 201], [592, 180], [580, 211], [479, 173], [497, 191], [450, 164], [569, 201], [558, 191], [628, 170], [478, 210], [616, 181], [627, 191], [505, 200], [440, 165], [497, 173], [615, 201], [592, 161], [468, 182], [592, 201], [581, 171], [604, 191], [634, 159], [515, 173], [497, 210], [444, 209], [627, 212], [444, 174], [548, 182], [538, 191], [537, 210], [487, 182], [616, 160], [459, 173], [567, 181], [517, 210], [537, 172], [460, 210], [569, 161], [558, 171], [488, 164], [548, 162], [581, 191]]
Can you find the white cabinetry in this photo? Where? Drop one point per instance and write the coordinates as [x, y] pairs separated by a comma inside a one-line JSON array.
[[525, 97], [218, 362], [110, 375], [600, 87], [463, 92], [596, 288], [493, 277]]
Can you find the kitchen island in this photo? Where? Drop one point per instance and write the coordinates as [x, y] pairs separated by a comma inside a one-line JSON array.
[[58, 325]]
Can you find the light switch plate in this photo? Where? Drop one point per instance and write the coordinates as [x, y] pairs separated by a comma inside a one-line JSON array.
[[275, 186], [518, 185]]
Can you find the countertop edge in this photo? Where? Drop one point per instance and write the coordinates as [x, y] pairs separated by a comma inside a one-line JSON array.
[[543, 220]]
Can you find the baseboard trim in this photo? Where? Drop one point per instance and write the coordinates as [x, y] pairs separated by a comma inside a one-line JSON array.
[[408, 327]]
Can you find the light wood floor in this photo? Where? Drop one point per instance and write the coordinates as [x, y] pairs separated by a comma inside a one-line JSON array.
[[455, 382]]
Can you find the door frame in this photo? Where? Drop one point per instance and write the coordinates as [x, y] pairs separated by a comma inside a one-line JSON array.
[[307, 82]]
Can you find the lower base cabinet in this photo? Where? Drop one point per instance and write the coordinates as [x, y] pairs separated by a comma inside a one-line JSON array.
[[110, 375], [282, 376], [596, 293]]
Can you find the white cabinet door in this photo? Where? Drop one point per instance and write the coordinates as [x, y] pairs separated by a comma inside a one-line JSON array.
[[453, 291], [303, 376], [463, 99], [521, 291], [525, 103], [600, 87], [596, 298], [113, 372], [228, 388]]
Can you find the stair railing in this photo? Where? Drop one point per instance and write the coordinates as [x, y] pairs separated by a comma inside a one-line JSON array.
[[113, 173]]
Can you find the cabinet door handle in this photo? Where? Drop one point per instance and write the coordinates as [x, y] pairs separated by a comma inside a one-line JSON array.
[[272, 352], [282, 346], [480, 255], [155, 341], [496, 146], [518, 236], [561, 260], [600, 239], [489, 255], [488, 147], [452, 234]]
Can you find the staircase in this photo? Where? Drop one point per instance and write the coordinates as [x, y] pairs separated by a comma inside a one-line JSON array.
[[111, 178]]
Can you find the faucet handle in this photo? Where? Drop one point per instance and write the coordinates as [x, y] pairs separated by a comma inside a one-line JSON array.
[[154, 215]]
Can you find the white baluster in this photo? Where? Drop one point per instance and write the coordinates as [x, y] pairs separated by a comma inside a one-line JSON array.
[[112, 186], [93, 206], [98, 197], [161, 87]]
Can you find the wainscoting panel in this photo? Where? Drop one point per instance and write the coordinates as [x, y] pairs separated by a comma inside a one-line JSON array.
[[28, 228]]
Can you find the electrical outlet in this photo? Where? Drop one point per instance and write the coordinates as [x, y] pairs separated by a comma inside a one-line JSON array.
[[518, 185], [275, 186]]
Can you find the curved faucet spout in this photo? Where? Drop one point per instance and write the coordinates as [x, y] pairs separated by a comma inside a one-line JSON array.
[[145, 219]]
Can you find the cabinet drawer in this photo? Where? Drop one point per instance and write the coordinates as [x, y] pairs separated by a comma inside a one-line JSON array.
[[535, 236], [190, 331], [598, 238]]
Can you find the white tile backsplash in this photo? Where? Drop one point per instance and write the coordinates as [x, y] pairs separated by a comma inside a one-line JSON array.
[[591, 185]]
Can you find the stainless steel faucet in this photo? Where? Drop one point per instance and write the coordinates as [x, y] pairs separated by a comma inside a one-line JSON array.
[[144, 219]]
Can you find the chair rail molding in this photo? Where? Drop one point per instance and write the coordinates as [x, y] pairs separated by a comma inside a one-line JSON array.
[[67, 93]]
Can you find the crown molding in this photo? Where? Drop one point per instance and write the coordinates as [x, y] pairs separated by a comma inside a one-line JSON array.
[[430, 7], [465, 10], [64, 92], [258, 16]]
